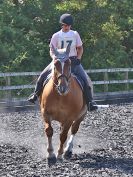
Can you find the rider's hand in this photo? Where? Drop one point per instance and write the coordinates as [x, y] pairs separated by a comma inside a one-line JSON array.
[[54, 58], [78, 61], [75, 61]]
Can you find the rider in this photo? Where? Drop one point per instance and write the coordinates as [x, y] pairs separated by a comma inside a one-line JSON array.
[[60, 40]]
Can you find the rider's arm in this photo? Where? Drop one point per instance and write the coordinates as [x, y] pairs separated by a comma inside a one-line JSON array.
[[54, 43], [52, 53], [79, 52], [79, 45]]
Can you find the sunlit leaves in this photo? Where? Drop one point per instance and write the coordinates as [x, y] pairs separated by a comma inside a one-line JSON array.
[[73, 4], [111, 30], [102, 3], [130, 21]]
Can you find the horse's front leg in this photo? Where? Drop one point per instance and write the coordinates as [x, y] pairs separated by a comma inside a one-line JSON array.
[[63, 136], [69, 146], [49, 132]]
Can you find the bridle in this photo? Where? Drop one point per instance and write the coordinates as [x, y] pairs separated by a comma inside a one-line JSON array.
[[64, 76], [67, 78], [62, 57]]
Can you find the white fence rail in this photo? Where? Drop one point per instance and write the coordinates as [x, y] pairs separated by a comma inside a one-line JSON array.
[[105, 81], [7, 86]]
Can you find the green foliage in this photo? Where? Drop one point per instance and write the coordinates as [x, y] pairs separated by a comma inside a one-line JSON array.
[[71, 5], [105, 26]]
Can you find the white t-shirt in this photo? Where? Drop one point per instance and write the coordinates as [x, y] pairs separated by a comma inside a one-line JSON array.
[[61, 40]]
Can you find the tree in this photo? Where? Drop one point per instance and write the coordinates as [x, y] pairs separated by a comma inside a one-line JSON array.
[[27, 26]]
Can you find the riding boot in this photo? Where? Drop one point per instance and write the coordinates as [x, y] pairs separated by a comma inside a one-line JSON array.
[[33, 97], [39, 85], [92, 106], [80, 73]]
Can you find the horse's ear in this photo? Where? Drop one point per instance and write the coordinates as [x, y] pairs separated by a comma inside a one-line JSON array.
[[54, 50], [68, 48]]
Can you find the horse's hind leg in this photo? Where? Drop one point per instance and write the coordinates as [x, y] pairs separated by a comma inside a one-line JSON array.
[[63, 136], [74, 129], [49, 132]]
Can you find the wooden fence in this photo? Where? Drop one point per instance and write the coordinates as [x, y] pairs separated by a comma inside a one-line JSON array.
[[105, 82]]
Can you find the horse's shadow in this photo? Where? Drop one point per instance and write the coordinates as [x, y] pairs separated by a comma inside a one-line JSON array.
[[107, 161]]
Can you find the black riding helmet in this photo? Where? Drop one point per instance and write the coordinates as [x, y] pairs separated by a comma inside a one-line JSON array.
[[67, 19]]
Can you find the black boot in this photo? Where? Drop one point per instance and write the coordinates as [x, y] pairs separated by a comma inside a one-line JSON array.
[[39, 85], [38, 89], [92, 106], [32, 98]]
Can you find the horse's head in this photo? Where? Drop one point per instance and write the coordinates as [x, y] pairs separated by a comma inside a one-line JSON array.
[[62, 70]]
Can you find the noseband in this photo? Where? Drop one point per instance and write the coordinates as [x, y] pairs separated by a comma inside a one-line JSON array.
[[63, 76]]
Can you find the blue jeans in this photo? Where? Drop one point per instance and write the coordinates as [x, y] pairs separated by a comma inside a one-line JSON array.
[[44, 74], [79, 71]]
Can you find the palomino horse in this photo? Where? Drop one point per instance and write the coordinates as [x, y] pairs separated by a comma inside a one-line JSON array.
[[62, 100]]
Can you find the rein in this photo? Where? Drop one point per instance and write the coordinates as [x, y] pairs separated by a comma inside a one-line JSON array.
[[63, 75], [60, 76]]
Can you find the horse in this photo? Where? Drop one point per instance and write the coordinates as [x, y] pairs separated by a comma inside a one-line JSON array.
[[62, 100]]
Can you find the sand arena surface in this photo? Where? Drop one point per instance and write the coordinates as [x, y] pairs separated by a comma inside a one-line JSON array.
[[103, 145]]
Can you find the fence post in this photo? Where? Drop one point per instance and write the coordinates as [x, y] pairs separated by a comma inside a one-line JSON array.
[[126, 78], [8, 83], [35, 77], [106, 79]]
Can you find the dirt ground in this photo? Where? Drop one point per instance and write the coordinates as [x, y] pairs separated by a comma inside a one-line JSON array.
[[103, 145]]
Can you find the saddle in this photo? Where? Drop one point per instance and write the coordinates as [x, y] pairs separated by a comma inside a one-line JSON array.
[[79, 81]]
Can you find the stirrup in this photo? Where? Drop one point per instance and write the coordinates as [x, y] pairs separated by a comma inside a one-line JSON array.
[[92, 106], [32, 98]]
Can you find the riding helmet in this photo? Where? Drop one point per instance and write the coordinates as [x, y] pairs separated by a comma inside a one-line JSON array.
[[67, 19]]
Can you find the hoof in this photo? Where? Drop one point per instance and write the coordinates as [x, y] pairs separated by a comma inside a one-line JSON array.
[[59, 158], [51, 160], [68, 154]]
